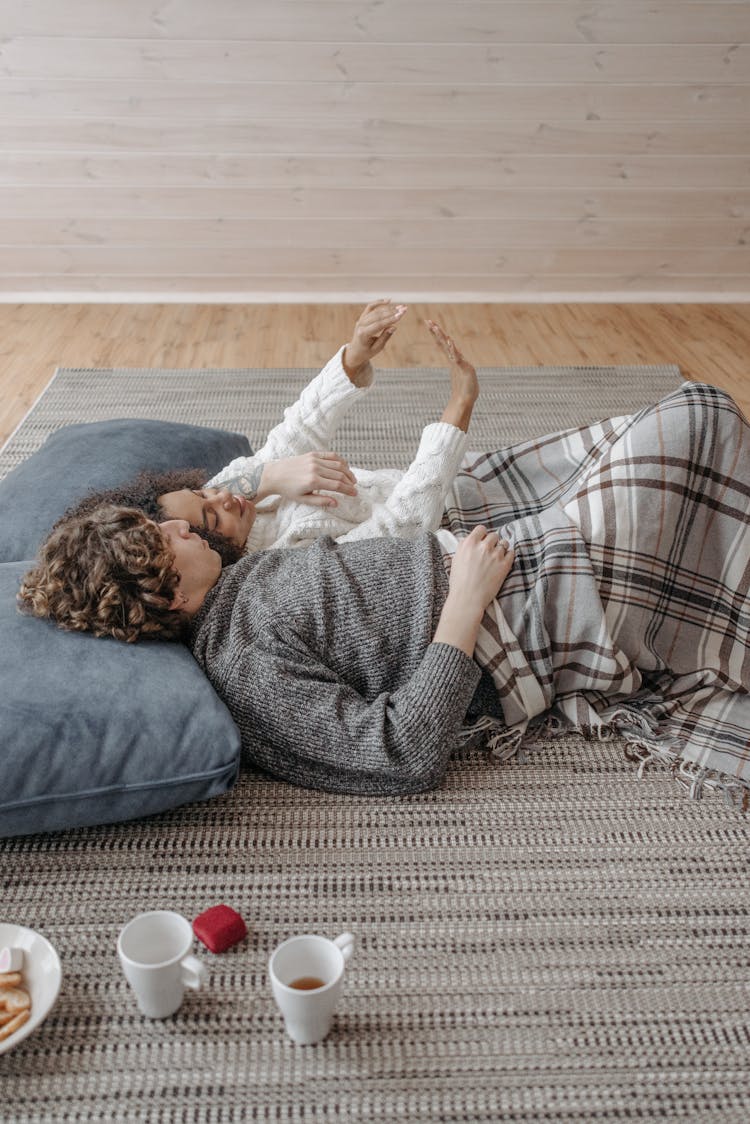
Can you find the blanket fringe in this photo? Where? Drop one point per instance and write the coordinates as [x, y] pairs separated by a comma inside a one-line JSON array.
[[695, 778], [645, 745], [505, 742], [502, 741], [486, 722]]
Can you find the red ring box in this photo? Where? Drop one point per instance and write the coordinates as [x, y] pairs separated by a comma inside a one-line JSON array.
[[219, 928]]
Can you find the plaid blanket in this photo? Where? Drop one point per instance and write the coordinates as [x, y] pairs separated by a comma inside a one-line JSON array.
[[628, 607]]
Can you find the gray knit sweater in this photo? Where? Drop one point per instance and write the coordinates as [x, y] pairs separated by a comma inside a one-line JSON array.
[[324, 658]]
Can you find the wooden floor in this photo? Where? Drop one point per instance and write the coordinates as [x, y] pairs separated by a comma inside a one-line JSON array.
[[710, 343]]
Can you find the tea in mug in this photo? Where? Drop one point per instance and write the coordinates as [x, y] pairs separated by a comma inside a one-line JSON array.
[[307, 983]]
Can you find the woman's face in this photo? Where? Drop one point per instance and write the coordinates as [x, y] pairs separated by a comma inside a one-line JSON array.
[[215, 509]]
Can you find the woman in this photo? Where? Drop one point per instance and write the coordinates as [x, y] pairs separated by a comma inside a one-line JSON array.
[[625, 608], [294, 490]]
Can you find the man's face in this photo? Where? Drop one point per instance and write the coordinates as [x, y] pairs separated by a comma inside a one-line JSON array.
[[196, 563], [215, 509]]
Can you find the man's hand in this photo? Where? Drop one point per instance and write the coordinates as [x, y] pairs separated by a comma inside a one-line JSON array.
[[371, 333], [479, 567], [300, 478]]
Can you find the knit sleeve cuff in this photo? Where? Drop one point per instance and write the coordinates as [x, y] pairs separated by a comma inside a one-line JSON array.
[[340, 380], [442, 437], [457, 673]]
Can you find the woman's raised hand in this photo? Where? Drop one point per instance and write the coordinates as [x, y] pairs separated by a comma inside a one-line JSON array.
[[464, 382], [302, 477], [371, 333]]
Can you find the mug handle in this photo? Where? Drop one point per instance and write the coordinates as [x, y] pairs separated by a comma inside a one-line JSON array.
[[193, 973], [346, 943]]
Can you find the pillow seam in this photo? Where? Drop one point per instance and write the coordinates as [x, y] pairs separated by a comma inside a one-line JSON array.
[[188, 778]]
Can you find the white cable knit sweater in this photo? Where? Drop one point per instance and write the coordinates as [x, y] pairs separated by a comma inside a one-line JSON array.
[[388, 502]]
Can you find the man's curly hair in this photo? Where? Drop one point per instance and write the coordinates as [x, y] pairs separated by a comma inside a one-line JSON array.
[[107, 571], [143, 492]]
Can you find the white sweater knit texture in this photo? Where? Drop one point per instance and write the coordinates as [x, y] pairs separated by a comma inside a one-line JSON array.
[[388, 502]]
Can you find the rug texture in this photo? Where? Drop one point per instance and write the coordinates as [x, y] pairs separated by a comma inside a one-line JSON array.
[[549, 940]]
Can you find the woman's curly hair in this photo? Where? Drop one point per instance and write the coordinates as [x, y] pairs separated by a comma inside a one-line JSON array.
[[107, 571], [143, 492]]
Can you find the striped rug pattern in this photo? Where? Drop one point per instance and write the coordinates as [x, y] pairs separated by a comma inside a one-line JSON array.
[[549, 940]]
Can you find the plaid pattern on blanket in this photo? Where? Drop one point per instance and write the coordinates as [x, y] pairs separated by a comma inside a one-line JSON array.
[[627, 611]]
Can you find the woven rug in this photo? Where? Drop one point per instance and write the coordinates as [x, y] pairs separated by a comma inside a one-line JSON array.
[[552, 940]]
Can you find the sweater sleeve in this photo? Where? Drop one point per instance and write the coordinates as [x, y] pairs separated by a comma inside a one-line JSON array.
[[301, 723], [417, 502], [308, 425]]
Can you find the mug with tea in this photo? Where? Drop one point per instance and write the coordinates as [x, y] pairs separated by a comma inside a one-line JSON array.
[[307, 975], [154, 953]]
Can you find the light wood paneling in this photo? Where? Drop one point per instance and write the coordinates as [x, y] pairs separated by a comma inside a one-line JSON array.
[[450, 264], [350, 234], [285, 147], [371, 203], [357, 171], [148, 60], [391, 21], [709, 343], [371, 135], [532, 101]]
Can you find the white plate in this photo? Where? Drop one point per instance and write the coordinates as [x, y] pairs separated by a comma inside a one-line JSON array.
[[41, 974]]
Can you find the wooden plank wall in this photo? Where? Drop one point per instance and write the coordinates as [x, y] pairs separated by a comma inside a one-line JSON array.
[[340, 149]]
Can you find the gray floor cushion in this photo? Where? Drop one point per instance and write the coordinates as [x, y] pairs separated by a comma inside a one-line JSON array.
[[95, 731]]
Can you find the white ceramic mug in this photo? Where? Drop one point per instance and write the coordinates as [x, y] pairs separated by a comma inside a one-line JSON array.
[[308, 1014], [153, 950]]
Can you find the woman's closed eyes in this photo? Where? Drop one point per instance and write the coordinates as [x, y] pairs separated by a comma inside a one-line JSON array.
[[210, 516]]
